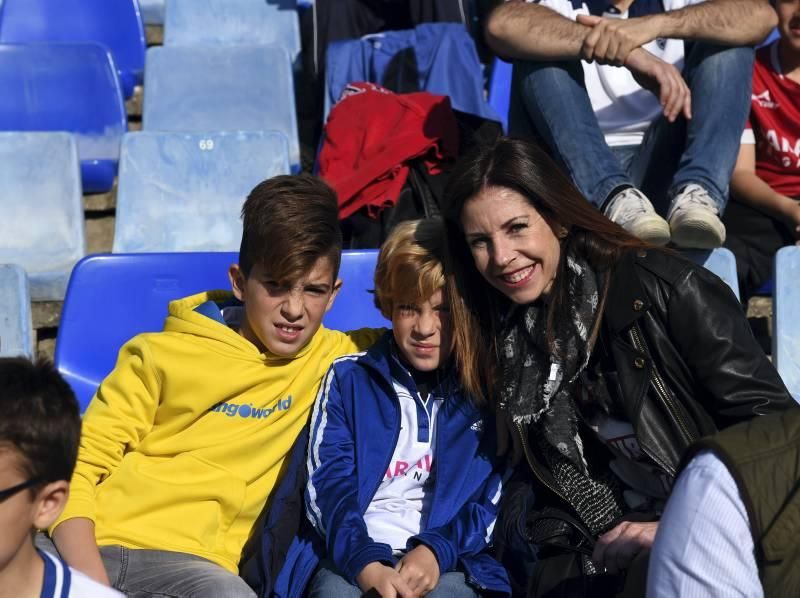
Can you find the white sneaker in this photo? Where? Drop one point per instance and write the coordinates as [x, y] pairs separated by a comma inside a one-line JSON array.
[[633, 211], [694, 219]]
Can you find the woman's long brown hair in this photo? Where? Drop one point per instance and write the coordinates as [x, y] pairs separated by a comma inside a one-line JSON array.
[[525, 168]]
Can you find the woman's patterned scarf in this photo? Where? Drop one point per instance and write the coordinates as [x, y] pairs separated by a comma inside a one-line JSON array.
[[537, 386]]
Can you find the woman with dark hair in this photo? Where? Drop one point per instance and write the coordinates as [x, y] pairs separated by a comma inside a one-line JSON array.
[[604, 356]]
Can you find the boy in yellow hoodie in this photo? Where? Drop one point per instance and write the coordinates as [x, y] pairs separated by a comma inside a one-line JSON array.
[[185, 439]]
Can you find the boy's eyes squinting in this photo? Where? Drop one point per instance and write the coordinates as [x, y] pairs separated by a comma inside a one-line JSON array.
[[316, 290]]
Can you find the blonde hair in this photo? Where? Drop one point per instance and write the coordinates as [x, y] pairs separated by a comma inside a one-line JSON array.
[[410, 264], [413, 264]]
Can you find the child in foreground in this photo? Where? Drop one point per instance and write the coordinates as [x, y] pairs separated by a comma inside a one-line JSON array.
[[402, 491], [39, 432], [187, 438]]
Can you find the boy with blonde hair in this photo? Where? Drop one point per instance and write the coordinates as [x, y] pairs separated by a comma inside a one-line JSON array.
[[402, 492]]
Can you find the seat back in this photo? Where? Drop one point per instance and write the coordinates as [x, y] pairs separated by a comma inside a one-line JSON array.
[[500, 89], [16, 324], [721, 262], [136, 290], [116, 24], [786, 318], [231, 22], [238, 88], [42, 226], [184, 191], [66, 87]]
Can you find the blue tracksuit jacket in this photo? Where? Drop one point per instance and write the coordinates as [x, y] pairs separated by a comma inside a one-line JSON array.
[[354, 430]]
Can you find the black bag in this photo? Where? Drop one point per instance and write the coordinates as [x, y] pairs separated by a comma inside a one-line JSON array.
[[563, 568], [546, 551]]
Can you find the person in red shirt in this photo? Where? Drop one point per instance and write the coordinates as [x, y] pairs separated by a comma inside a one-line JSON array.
[[764, 212]]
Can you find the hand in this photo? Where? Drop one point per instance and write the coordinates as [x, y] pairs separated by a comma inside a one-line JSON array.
[[664, 80], [419, 569], [506, 429], [616, 548], [610, 41], [385, 580]]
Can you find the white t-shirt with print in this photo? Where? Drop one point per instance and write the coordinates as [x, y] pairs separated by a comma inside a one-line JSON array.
[[623, 108], [398, 507]]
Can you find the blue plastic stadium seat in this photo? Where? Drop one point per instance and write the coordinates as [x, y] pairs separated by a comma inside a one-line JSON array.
[[786, 318], [500, 89], [184, 191], [231, 22], [152, 11], [237, 88], [136, 289], [16, 327], [66, 87], [41, 226], [719, 261], [116, 24]]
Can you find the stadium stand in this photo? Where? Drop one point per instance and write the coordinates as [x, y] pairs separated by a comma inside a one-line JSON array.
[[16, 324], [236, 88], [184, 191], [136, 289], [116, 24], [500, 89], [719, 261], [231, 22], [66, 87], [786, 324], [42, 227]]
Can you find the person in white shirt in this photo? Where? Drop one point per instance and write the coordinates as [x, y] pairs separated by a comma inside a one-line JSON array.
[[39, 432], [639, 100]]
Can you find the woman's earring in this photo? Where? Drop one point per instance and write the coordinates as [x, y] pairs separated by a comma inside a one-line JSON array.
[[562, 233]]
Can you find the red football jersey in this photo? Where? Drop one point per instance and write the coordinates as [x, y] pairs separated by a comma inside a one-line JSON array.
[[775, 123]]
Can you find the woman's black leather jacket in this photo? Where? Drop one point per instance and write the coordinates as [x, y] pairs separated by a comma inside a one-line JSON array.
[[687, 361]]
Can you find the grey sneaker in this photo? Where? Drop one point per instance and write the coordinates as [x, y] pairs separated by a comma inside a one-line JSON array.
[[633, 211], [694, 219]]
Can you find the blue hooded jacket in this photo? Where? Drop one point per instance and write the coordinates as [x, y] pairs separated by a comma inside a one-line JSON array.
[[354, 430]]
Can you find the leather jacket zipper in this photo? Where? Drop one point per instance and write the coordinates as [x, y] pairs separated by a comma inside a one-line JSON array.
[[535, 468], [660, 387]]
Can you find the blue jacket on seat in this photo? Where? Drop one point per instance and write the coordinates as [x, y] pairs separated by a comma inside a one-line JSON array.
[[354, 429], [445, 62]]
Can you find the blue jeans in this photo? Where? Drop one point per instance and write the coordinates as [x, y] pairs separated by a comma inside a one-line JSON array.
[[327, 583], [549, 101], [164, 574]]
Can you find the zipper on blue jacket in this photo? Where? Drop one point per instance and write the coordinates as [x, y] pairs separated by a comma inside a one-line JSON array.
[[437, 455], [388, 462]]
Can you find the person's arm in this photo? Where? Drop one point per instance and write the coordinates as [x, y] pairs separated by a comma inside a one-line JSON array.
[[707, 325], [704, 547], [76, 543], [723, 22], [529, 31], [119, 416], [331, 492], [752, 190]]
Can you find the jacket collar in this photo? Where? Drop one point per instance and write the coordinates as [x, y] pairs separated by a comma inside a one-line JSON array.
[[626, 300]]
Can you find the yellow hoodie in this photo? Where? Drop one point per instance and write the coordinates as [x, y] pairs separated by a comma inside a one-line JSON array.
[[185, 438]]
